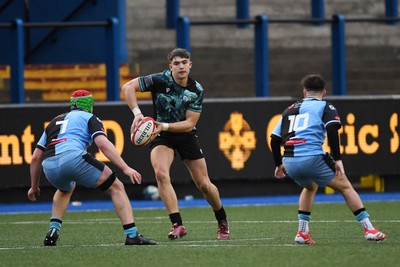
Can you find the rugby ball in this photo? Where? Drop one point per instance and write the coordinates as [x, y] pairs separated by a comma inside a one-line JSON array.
[[144, 130], [151, 193]]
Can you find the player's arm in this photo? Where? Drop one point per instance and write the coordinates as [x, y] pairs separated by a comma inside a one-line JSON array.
[[112, 154], [96, 129], [35, 172], [334, 144], [333, 140], [129, 90], [184, 126], [276, 149], [275, 143], [110, 151]]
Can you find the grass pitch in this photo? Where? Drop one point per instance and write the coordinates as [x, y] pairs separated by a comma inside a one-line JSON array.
[[260, 236]]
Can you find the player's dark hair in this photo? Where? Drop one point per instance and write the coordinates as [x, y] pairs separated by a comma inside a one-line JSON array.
[[178, 52], [313, 82]]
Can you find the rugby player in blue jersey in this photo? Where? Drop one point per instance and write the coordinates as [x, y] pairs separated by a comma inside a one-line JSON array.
[[302, 130], [177, 101], [61, 152]]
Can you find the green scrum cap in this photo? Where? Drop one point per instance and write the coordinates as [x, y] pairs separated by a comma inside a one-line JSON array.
[[82, 99]]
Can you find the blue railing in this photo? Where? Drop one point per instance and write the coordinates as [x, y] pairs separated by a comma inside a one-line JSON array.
[[260, 44], [242, 11], [391, 10], [261, 56], [317, 10], [17, 54]]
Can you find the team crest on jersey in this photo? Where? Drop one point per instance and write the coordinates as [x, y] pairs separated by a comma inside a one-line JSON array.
[[331, 107], [167, 89]]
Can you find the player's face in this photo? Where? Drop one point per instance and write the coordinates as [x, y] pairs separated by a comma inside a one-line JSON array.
[[180, 68]]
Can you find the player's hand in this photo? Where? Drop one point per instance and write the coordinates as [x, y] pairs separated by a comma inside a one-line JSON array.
[[32, 193], [136, 121], [280, 172], [134, 176], [158, 128]]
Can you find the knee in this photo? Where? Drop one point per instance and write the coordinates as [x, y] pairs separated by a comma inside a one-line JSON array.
[[59, 194], [161, 175], [204, 187], [117, 186], [345, 189]]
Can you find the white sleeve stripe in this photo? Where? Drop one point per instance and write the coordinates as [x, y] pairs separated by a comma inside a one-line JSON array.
[[332, 121], [98, 132]]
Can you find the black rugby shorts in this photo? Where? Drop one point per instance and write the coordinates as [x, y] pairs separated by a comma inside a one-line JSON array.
[[187, 145]]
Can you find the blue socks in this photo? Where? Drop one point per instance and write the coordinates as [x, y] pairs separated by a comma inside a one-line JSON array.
[[55, 223], [362, 215], [131, 232]]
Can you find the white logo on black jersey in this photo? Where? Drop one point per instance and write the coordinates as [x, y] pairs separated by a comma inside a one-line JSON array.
[[148, 81], [167, 90]]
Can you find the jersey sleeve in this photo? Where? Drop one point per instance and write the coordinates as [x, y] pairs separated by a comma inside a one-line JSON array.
[[41, 144], [95, 127], [150, 82], [277, 129], [198, 96], [331, 116], [333, 141]]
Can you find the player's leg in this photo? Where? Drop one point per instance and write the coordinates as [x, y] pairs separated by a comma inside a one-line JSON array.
[[304, 171], [306, 201], [198, 171], [60, 204], [161, 159], [113, 187], [343, 186], [57, 175]]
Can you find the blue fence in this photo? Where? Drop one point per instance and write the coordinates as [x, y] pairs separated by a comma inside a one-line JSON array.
[[17, 28], [260, 44], [17, 53], [391, 10], [261, 22], [242, 11]]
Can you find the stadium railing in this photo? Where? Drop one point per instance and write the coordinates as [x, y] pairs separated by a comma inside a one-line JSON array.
[[16, 54], [242, 11], [261, 56]]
